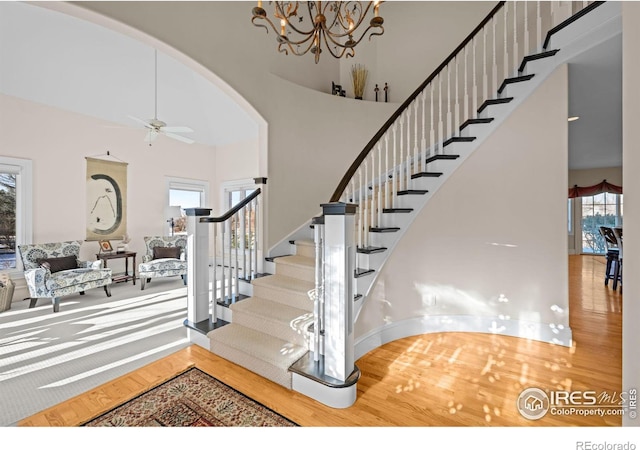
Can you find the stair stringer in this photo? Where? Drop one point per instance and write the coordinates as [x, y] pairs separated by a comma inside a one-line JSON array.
[[592, 29]]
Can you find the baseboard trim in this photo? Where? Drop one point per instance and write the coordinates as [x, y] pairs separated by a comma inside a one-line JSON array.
[[543, 332]]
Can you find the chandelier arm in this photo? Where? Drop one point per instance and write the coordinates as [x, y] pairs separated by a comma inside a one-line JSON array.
[[261, 25], [292, 49]]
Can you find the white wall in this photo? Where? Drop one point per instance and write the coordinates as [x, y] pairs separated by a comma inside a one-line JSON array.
[[418, 36], [490, 244], [631, 162], [589, 177]]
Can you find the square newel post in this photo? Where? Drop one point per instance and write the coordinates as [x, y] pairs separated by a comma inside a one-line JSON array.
[[339, 266], [198, 271]]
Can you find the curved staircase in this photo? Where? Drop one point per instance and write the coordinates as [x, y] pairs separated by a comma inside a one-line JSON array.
[[270, 331]]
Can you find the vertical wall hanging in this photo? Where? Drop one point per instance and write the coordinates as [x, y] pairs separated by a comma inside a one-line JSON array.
[[106, 199]]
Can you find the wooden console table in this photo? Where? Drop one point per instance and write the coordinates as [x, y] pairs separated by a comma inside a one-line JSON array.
[[118, 278]]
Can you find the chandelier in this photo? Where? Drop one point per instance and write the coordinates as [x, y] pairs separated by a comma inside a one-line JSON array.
[[309, 26]]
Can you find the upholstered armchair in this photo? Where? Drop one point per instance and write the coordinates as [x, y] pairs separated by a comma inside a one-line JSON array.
[[54, 270], [165, 257]]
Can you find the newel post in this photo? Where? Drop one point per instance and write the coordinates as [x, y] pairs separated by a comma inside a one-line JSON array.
[[339, 266], [198, 270]]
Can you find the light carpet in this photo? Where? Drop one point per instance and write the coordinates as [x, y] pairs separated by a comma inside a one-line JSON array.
[[191, 399], [47, 358]]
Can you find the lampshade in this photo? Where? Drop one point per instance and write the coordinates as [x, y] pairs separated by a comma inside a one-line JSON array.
[[171, 212]]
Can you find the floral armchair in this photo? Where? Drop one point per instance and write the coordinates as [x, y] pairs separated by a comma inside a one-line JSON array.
[[53, 270], [165, 257]]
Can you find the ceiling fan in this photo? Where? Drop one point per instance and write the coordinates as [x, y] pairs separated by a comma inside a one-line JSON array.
[[157, 126]]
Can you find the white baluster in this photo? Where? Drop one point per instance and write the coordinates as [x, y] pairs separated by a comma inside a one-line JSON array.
[[401, 156], [432, 131], [372, 203], [539, 28], [394, 178], [485, 78], [415, 136], [251, 232], [494, 69], [243, 241], [230, 273], [515, 35], [223, 226], [422, 154], [256, 234], [237, 273], [505, 61], [366, 201], [456, 111], [361, 235], [474, 87], [408, 163], [440, 125], [386, 170], [381, 177], [214, 286], [526, 30], [449, 131], [466, 114]]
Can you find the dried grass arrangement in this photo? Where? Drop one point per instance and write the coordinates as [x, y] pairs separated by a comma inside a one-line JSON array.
[[359, 78]]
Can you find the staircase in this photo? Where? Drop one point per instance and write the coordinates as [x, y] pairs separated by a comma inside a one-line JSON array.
[[267, 333], [391, 181]]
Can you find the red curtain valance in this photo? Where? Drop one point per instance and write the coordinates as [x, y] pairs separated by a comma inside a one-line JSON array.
[[587, 191]]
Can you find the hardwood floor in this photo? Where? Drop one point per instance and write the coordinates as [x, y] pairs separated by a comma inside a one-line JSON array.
[[443, 379]]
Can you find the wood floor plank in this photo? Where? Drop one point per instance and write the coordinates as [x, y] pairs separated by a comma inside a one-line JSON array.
[[442, 379]]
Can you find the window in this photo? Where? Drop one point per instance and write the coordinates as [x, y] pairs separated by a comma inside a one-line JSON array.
[[15, 209], [234, 192], [599, 210], [185, 194]]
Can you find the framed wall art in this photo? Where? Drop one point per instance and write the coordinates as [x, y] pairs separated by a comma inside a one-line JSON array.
[[106, 199]]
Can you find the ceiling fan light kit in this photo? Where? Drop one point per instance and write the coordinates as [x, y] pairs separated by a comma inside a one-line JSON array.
[[157, 126]]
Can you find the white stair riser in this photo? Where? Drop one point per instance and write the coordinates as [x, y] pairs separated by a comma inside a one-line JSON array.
[[296, 271], [292, 298], [275, 374], [306, 250], [273, 328]]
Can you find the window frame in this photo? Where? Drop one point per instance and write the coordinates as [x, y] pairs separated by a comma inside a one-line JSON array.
[[23, 168]]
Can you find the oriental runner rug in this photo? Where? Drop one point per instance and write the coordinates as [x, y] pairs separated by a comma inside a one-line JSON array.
[[191, 399]]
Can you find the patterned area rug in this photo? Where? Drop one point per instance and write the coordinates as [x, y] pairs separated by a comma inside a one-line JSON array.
[[191, 399]]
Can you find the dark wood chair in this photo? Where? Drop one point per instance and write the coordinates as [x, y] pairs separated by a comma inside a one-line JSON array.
[[612, 271]]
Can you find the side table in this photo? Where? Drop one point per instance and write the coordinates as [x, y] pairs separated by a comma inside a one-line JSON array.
[[123, 277]]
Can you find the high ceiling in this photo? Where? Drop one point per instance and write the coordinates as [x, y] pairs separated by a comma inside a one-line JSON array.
[[57, 60], [54, 59]]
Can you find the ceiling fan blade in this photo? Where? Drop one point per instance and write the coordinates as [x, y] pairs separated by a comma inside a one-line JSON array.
[[140, 121], [177, 129], [178, 137]]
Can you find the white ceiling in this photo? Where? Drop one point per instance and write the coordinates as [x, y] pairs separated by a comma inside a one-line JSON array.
[[55, 59], [58, 60]]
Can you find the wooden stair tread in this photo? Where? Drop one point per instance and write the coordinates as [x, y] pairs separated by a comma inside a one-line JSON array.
[[494, 101], [513, 80], [535, 57], [370, 250]]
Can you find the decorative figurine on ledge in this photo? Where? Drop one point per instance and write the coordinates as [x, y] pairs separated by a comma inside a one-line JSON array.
[[386, 92], [377, 89], [336, 89]]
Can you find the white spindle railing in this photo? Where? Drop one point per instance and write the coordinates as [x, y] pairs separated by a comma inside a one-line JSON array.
[[418, 129], [239, 233]]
